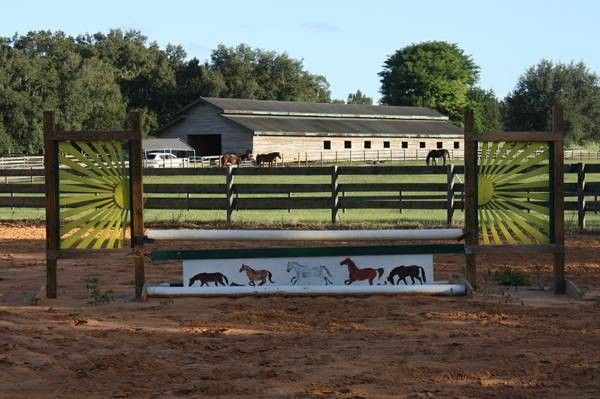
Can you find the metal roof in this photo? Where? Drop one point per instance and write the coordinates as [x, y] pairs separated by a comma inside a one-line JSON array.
[[165, 145], [341, 126], [298, 108]]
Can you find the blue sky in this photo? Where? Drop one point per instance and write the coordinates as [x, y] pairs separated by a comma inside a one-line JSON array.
[[347, 41]]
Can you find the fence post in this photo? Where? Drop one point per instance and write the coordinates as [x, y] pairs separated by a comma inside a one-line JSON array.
[[400, 201], [229, 192], [298, 159], [335, 195], [449, 194], [581, 196]]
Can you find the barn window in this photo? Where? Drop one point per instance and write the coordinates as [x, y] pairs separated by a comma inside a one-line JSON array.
[[327, 145], [439, 145], [405, 144], [386, 144], [347, 144], [421, 144], [367, 144], [457, 144]]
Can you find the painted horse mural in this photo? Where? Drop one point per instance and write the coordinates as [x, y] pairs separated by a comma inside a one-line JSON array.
[[304, 272], [356, 274], [256, 275], [206, 278], [402, 272]]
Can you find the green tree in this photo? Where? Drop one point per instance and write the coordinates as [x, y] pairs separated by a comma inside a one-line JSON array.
[[486, 110], [266, 75], [529, 105], [359, 98], [430, 74]]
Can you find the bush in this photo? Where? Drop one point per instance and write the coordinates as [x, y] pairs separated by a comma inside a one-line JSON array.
[[509, 276]]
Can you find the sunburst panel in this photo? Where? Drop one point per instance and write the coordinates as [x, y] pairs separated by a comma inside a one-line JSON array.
[[93, 194], [513, 197]]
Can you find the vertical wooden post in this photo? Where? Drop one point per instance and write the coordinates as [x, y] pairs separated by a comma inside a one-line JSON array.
[[470, 200], [558, 201], [335, 195], [230, 192], [449, 194], [400, 201], [581, 196], [137, 201], [51, 189]]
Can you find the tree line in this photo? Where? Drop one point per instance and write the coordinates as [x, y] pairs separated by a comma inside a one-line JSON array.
[[92, 80]]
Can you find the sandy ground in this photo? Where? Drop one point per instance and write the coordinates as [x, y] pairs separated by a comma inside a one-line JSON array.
[[500, 344]]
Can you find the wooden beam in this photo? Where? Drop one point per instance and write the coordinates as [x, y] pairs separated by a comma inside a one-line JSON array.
[[515, 136], [124, 135], [470, 200], [137, 200], [558, 208], [51, 190]]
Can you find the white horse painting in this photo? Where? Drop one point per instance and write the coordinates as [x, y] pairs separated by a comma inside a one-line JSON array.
[[304, 273]]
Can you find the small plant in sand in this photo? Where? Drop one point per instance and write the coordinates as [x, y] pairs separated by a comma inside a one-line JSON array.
[[509, 276], [95, 296]]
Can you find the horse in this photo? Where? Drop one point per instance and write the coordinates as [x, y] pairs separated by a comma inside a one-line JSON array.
[[255, 275], [267, 158], [230, 160], [433, 154], [356, 274], [206, 278], [412, 271], [304, 272], [247, 156]]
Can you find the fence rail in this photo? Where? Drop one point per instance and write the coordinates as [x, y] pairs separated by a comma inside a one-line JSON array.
[[338, 194]]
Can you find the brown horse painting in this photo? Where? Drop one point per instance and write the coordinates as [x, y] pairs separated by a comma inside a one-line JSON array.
[[267, 158], [356, 274], [206, 278], [413, 271], [256, 275], [434, 154], [230, 160]]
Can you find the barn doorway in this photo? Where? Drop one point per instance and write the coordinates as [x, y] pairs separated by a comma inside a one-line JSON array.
[[205, 144]]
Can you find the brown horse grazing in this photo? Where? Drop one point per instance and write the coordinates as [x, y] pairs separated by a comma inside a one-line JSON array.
[[357, 274], [412, 271], [256, 275], [206, 278], [433, 154], [230, 160], [267, 158]]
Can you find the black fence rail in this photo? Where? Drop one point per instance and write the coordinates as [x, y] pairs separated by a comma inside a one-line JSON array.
[[340, 192]]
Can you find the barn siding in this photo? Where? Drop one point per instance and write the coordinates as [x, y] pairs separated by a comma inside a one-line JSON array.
[[205, 119], [290, 146]]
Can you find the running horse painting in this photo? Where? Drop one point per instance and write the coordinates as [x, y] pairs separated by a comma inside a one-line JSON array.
[[256, 275], [356, 274], [434, 154], [230, 160], [267, 158]]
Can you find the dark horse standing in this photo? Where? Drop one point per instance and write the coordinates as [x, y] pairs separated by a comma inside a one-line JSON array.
[[356, 274], [433, 154], [267, 158], [402, 272]]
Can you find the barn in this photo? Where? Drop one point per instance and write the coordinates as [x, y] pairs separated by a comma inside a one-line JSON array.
[[304, 130]]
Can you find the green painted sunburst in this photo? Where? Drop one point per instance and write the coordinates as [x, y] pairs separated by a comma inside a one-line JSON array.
[[93, 194], [513, 193]]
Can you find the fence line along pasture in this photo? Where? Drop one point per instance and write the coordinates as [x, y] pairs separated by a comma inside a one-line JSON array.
[[333, 188]]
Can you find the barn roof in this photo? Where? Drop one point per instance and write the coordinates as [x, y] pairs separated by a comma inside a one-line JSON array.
[[175, 144], [299, 108], [344, 126]]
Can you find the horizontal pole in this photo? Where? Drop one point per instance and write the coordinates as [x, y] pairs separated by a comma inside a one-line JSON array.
[[515, 136], [430, 289], [122, 135], [513, 249], [304, 235]]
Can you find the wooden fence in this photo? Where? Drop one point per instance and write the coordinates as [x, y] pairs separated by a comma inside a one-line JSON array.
[[338, 193]]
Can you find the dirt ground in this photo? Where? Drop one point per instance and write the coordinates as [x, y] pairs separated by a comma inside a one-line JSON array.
[[503, 343]]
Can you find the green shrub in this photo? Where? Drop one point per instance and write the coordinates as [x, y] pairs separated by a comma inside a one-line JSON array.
[[509, 276]]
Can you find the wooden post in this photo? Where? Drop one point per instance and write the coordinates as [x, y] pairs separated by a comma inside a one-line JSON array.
[[137, 198], [581, 196], [51, 189], [450, 194], [335, 195], [558, 201], [400, 201], [470, 200], [229, 193], [298, 159]]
